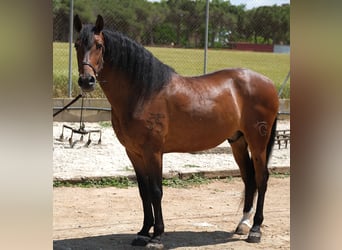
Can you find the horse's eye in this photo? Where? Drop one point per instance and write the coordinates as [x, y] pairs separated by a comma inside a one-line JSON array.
[[98, 46]]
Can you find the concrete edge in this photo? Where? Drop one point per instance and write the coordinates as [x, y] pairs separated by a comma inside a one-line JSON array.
[[216, 174]]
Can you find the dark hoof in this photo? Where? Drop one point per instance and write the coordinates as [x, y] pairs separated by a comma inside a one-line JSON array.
[[155, 243], [140, 241], [254, 237]]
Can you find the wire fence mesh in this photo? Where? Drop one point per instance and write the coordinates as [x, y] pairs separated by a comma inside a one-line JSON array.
[[174, 31]]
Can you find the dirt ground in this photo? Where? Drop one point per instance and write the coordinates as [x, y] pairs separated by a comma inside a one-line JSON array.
[[201, 217]]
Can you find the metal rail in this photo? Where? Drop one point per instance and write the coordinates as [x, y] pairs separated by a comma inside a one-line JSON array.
[[84, 108], [282, 137]]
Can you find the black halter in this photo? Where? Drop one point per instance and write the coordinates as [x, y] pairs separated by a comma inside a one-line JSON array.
[[91, 66]]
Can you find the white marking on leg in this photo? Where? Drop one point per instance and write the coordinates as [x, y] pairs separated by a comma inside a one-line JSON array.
[[246, 218]]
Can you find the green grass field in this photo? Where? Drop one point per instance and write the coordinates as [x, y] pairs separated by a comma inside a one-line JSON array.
[[187, 62]]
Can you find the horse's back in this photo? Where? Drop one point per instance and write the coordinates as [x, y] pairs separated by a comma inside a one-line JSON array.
[[248, 82], [246, 87]]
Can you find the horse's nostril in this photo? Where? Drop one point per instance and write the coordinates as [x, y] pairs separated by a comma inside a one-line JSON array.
[[92, 80], [80, 81], [87, 83]]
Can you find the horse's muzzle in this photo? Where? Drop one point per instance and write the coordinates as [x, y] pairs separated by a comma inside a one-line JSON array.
[[87, 82]]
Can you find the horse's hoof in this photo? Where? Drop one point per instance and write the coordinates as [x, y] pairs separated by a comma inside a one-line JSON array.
[[151, 245], [242, 229], [140, 241], [155, 243], [254, 237]]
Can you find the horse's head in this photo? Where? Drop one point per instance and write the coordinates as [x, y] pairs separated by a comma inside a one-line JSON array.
[[90, 50]]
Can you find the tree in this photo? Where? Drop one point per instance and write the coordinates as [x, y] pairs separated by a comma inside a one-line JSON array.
[[61, 19], [240, 31], [283, 34], [175, 18], [155, 16], [269, 24], [222, 22], [60, 11], [179, 21]]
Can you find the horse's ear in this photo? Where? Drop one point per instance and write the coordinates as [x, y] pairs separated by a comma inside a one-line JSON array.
[[99, 24], [77, 23]]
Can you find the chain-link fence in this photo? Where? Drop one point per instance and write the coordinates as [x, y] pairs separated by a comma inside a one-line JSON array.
[[174, 31]]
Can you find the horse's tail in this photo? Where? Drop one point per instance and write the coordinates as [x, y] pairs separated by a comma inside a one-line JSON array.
[[271, 141]]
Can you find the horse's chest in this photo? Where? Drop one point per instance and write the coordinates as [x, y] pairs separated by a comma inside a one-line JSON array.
[[135, 134], [119, 134], [119, 129]]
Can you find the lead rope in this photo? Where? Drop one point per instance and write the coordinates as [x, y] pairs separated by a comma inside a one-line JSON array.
[[66, 106], [82, 126]]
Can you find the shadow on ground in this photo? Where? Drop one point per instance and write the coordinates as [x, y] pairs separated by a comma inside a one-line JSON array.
[[170, 240]]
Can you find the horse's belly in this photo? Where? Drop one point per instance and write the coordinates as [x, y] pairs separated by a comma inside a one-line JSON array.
[[196, 137]]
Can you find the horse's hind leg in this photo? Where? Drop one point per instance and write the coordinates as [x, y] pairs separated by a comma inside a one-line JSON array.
[[242, 158], [260, 144], [261, 177]]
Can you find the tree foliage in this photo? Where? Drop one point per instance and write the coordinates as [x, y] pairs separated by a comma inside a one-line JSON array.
[[180, 22]]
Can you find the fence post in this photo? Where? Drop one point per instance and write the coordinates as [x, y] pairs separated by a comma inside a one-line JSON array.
[[71, 24], [206, 36], [283, 84]]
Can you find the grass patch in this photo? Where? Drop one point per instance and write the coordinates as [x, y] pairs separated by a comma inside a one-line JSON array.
[[227, 179], [119, 182], [125, 182], [105, 124], [187, 62], [193, 180], [280, 175]]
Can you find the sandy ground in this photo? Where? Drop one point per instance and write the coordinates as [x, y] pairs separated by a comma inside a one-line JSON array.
[[202, 217]]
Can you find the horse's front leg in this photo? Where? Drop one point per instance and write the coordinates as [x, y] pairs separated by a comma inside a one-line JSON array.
[[154, 165], [143, 236], [148, 170]]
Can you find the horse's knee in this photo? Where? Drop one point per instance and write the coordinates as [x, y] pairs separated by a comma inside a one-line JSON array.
[[157, 192]]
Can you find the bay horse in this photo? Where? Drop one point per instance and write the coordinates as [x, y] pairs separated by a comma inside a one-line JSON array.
[[157, 111]]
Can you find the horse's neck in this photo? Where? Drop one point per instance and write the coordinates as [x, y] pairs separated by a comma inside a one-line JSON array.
[[116, 87]]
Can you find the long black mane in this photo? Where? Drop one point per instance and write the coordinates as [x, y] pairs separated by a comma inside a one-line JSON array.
[[147, 73]]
